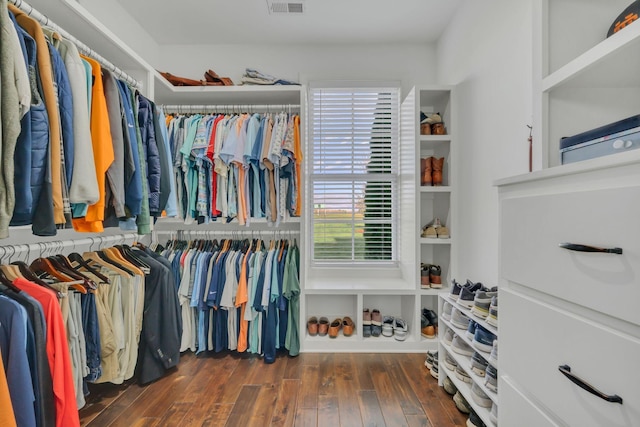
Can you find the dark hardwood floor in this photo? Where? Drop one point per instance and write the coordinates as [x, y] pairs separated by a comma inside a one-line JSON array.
[[313, 389]]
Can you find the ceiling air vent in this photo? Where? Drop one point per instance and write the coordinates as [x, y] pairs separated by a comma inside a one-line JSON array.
[[294, 7]]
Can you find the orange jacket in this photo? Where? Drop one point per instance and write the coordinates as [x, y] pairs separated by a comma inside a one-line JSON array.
[[102, 150]]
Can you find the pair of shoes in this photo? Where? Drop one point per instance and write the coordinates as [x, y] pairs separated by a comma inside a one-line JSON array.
[[480, 397], [461, 403], [450, 362], [428, 361], [446, 311], [346, 324], [459, 319], [458, 345], [462, 375], [449, 387], [448, 336], [400, 329], [475, 420], [465, 293], [479, 364], [493, 357], [210, 79], [492, 318], [431, 125], [318, 327], [429, 323], [431, 171], [387, 326], [482, 304], [483, 339], [430, 276], [434, 367], [491, 378], [435, 230]]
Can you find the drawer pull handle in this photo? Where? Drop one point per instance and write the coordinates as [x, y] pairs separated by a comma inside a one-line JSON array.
[[566, 371], [587, 248]]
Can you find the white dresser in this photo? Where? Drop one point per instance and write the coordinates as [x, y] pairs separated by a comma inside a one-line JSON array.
[[566, 309]]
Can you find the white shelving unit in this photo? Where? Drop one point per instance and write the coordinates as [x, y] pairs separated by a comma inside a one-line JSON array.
[[464, 362], [582, 80]]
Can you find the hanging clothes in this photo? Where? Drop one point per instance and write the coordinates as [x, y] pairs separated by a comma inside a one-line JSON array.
[[237, 295], [237, 167]]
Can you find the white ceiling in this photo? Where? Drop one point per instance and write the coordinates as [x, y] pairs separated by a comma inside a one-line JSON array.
[[323, 21]]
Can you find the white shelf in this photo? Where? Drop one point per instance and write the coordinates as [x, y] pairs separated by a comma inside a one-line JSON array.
[[166, 93], [465, 390], [428, 241], [610, 63], [436, 189], [465, 364], [434, 138], [434, 291]]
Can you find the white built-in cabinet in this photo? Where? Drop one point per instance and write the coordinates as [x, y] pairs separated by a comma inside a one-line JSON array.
[[582, 80], [569, 324]]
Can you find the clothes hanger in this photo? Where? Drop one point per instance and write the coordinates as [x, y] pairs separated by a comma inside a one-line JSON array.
[[76, 257]]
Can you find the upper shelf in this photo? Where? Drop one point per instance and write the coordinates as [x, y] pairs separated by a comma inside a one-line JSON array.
[[80, 23], [166, 93], [614, 62]]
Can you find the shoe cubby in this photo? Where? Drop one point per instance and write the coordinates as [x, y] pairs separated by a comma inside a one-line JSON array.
[[332, 308], [437, 254], [402, 306], [435, 205], [437, 148]]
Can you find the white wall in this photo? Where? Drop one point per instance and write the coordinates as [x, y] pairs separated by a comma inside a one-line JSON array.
[[486, 51], [412, 64], [118, 20]]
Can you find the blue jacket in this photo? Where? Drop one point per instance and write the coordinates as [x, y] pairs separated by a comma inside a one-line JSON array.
[[133, 177], [65, 105], [147, 131], [32, 188]]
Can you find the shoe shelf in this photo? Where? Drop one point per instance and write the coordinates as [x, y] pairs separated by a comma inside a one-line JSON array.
[[433, 291], [429, 241], [437, 189], [426, 139], [470, 315], [465, 363], [465, 389]]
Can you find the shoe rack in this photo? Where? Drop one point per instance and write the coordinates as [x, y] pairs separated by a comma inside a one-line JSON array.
[[435, 202], [464, 362]]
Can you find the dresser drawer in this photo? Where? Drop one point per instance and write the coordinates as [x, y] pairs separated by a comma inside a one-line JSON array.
[[535, 339], [532, 228], [516, 410]]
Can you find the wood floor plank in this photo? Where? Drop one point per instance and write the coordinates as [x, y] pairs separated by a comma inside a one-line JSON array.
[[327, 375], [263, 406], [310, 383], [408, 399], [362, 364], [431, 396], [348, 402], [328, 411], [293, 370], [306, 417], [370, 409], [175, 414], [417, 420], [389, 403], [229, 392], [242, 410], [266, 373], [285, 409], [147, 422], [217, 416]]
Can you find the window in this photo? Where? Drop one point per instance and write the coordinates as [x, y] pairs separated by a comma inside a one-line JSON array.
[[354, 174]]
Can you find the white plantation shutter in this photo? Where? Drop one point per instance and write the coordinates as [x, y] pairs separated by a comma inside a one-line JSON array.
[[353, 173]]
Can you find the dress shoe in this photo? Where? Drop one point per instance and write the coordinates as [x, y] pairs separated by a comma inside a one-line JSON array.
[[323, 326], [347, 326], [334, 329], [312, 326]]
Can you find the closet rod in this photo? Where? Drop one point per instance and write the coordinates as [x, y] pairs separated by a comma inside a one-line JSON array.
[[42, 19], [227, 107], [58, 245]]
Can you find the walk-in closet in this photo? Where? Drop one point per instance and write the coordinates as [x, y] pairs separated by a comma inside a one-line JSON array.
[[305, 213]]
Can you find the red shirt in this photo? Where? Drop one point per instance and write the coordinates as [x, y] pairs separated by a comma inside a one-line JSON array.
[[57, 353]]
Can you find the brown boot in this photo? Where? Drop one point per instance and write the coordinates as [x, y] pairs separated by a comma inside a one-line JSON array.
[[437, 164], [425, 171]]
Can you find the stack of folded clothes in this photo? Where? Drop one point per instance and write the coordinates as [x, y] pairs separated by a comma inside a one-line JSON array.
[[255, 77]]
